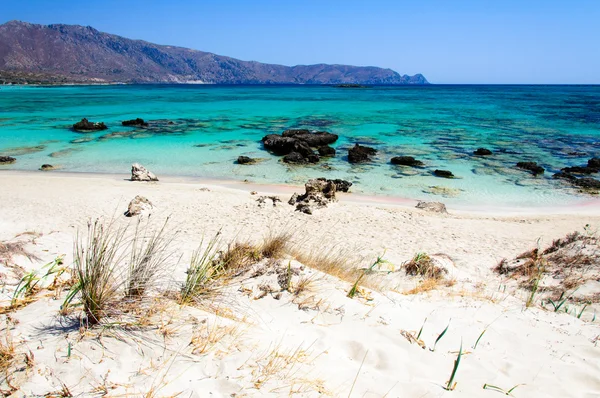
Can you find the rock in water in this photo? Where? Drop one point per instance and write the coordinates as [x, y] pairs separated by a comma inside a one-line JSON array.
[[435, 207], [406, 161], [47, 167], [140, 173], [326, 150], [7, 159], [360, 154], [137, 206], [443, 173], [85, 125], [532, 167], [482, 152], [135, 122], [594, 163], [245, 160]]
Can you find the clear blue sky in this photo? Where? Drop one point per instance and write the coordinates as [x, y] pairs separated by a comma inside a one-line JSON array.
[[449, 41]]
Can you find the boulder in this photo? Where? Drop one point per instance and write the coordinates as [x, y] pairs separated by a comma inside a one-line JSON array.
[[135, 122], [533, 167], [85, 125], [594, 163], [137, 206], [326, 150], [318, 193], [360, 154], [47, 167], [7, 159], [314, 140], [295, 157], [587, 183], [245, 160], [341, 185], [443, 173], [435, 207], [140, 173], [406, 161], [564, 176], [285, 145], [580, 170], [482, 152]]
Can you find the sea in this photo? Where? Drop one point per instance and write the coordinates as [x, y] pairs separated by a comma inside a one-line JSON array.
[[198, 131]]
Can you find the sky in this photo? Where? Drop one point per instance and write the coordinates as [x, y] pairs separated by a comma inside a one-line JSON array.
[[448, 41]]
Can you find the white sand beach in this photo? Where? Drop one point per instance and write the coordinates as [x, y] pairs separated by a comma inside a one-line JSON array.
[[256, 338]]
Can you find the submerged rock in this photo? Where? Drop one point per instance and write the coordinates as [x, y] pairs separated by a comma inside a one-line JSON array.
[[533, 167], [580, 170], [406, 161], [47, 167], [7, 159], [360, 154], [435, 207], [326, 150], [245, 160], [564, 176], [587, 183], [594, 163], [140, 173], [138, 205], [314, 140], [135, 122], [482, 152], [85, 126], [443, 173]]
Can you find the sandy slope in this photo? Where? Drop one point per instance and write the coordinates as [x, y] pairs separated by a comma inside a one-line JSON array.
[[313, 343]]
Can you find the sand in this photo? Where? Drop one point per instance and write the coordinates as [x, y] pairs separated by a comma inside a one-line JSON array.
[[318, 343]]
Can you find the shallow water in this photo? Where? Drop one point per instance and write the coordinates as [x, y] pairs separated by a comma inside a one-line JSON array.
[[556, 126]]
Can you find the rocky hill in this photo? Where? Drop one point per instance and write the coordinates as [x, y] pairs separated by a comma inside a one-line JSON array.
[[71, 53]]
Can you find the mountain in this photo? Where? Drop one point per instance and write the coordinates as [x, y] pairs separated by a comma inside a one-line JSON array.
[[76, 54]]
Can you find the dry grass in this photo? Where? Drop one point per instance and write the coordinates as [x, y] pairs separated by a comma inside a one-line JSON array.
[[7, 350], [238, 258], [426, 285], [9, 250], [334, 261], [279, 363], [275, 244], [206, 337], [423, 265]]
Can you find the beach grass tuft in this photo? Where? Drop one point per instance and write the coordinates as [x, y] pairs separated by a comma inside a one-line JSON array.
[[203, 272], [423, 265], [275, 244]]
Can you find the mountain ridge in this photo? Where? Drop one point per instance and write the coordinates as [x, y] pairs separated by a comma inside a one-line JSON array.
[[82, 54]]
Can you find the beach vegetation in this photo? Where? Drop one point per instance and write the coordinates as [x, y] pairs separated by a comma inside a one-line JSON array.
[[203, 272], [451, 384], [275, 244], [500, 390], [423, 265], [440, 336]]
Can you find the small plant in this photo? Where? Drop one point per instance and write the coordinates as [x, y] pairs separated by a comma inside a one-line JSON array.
[[28, 284], [423, 265], [498, 389], [451, 385], [7, 350], [97, 268], [365, 271], [535, 281], [203, 272], [421, 330], [440, 336], [275, 244], [479, 338], [147, 263]]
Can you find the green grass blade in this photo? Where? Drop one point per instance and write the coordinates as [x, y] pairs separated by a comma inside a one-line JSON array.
[[421, 330], [440, 336], [450, 386], [479, 338]]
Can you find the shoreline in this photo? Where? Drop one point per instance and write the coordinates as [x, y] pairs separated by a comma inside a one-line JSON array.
[[589, 207]]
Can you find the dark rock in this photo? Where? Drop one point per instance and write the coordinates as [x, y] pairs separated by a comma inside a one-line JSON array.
[[284, 145], [443, 173], [531, 166], [135, 122], [295, 157], [564, 176], [326, 150], [314, 140], [85, 125], [594, 163], [7, 159], [341, 185], [482, 152], [360, 154], [245, 160], [587, 183], [262, 200], [318, 192], [47, 167], [580, 170], [406, 161]]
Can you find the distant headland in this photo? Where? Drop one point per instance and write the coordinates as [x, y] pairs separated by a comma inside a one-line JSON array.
[[72, 54]]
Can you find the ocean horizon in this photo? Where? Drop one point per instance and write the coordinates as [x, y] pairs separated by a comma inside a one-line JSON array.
[[200, 130]]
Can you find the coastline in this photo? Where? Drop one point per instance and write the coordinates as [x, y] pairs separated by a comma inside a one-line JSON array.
[[589, 207]]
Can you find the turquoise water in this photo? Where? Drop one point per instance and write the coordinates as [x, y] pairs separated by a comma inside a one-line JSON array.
[[556, 126]]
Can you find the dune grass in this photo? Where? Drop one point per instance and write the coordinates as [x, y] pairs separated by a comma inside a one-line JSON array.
[[451, 384], [203, 272], [423, 265]]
